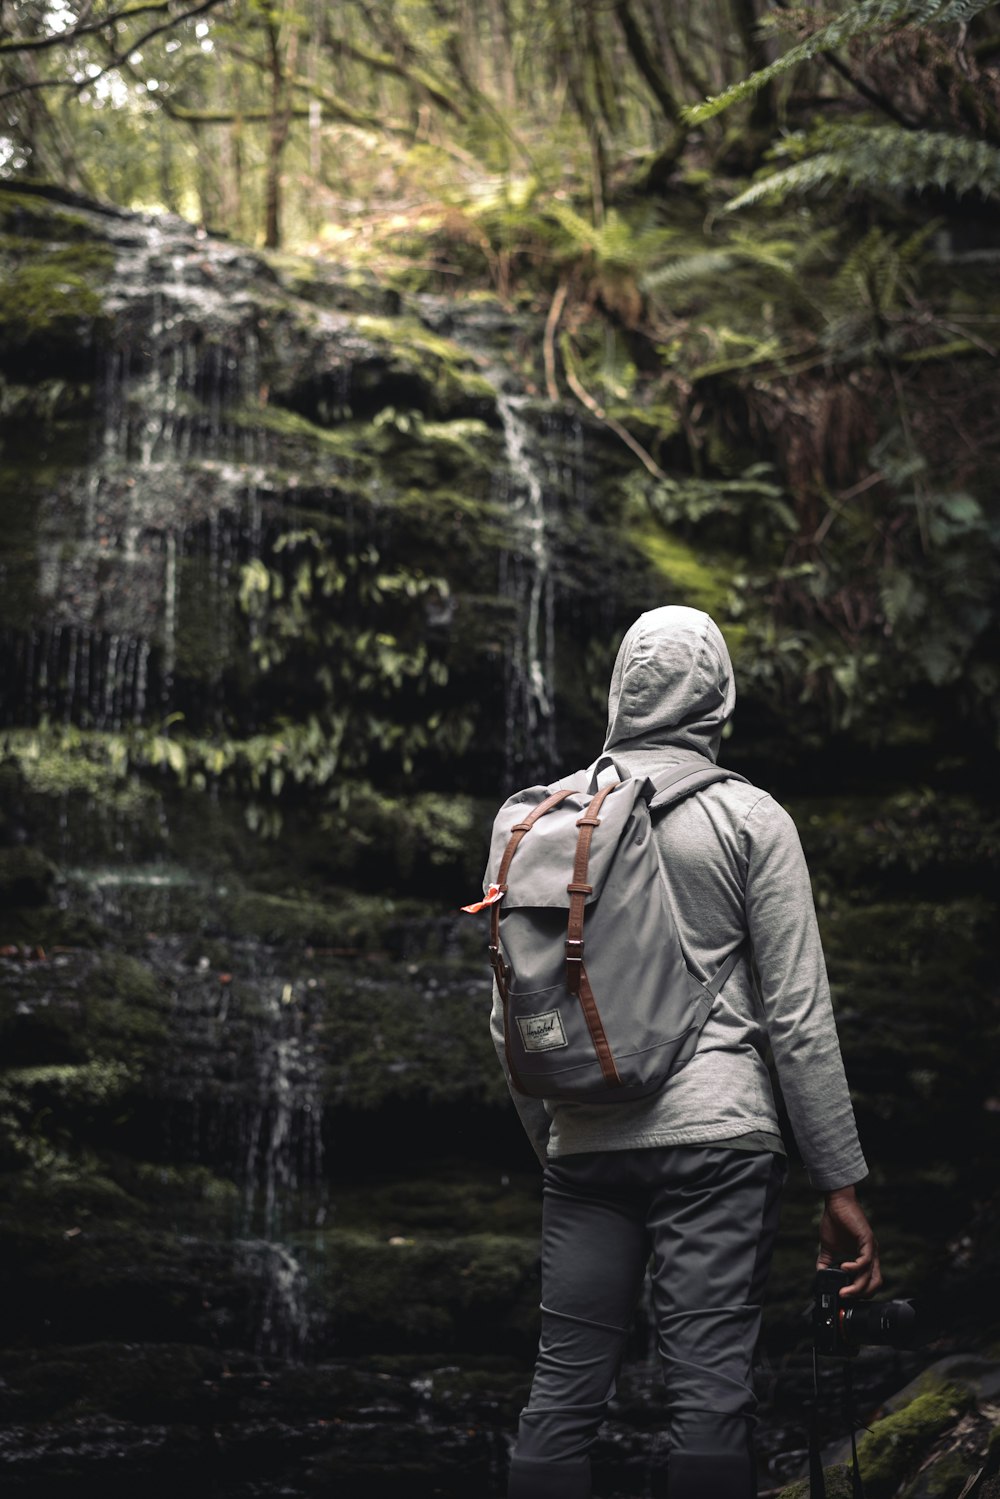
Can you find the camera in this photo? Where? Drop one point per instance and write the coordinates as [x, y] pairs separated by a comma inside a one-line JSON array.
[[842, 1327]]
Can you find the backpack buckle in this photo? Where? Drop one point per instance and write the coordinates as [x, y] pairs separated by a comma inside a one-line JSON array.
[[499, 970], [574, 963]]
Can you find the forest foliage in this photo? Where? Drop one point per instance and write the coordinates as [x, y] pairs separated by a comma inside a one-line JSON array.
[[764, 238]]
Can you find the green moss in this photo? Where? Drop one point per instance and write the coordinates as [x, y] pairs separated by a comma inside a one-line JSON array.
[[59, 761], [389, 838], [26, 877], [420, 1036], [689, 578], [88, 1084], [343, 439], [343, 919], [46, 401], [466, 437], [445, 367], [420, 1293], [315, 280], [123, 1008], [410, 334], [838, 1485], [52, 289], [137, 1382], [24, 213], [480, 1201], [183, 1186], [897, 1443], [944, 1479]]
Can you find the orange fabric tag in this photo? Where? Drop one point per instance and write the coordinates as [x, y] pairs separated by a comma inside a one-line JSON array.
[[493, 894]]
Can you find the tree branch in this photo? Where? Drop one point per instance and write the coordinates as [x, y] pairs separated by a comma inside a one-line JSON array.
[[62, 38], [572, 380], [119, 58], [867, 92], [551, 322], [382, 63]]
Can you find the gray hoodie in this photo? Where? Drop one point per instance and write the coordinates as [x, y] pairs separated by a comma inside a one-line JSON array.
[[733, 867]]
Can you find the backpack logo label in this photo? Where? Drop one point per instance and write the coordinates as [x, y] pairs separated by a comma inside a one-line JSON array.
[[542, 1032]]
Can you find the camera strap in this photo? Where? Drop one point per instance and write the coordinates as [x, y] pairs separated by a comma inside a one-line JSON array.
[[817, 1482]]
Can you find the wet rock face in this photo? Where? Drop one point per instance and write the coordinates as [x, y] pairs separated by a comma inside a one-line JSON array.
[[296, 580], [224, 401]]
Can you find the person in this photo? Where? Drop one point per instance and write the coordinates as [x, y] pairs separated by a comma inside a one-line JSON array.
[[688, 1181]]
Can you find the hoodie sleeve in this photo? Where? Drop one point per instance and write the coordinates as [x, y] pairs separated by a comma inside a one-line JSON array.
[[796, 998], [532, 1111]]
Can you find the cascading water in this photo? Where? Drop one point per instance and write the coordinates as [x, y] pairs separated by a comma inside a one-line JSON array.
[[164, 509], [282, 1171], [530, 738]]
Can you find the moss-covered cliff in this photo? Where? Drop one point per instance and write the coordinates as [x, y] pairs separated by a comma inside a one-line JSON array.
[[297, 578]]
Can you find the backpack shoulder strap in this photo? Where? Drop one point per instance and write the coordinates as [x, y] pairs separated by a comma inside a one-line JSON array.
[[683, 780], [673, 786]]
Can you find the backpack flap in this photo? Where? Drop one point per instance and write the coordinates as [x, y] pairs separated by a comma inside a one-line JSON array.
[[541, 868]]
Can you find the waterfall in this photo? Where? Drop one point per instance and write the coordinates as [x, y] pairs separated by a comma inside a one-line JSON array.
[[283, 1136], [139, 549], [530, 739]]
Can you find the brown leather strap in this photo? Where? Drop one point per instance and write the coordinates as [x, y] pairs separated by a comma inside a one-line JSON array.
[[517, 832], [597, 1034], [579, 889]]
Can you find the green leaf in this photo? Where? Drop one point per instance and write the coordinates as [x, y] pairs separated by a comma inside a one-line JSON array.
[[865, 19]]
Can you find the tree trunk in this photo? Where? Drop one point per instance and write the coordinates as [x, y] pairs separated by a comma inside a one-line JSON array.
[[763, 111], [282, 71]]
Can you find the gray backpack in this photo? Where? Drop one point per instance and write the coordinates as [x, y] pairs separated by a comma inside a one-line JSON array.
[[599, 1005]]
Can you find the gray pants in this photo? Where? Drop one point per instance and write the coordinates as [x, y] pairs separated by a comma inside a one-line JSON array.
[[708, 1216]]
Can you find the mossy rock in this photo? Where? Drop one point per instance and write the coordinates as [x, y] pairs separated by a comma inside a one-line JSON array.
[[73, 1009], [410, 1037], [51, 305], [945, 1478], [45, 402], [838, 1483], [26, 877], [47, 212], [343, 919], [66, 1088], [476, 1292], [431, 1206], [687, 577], [124, 1007], [895, 1446], [134, 1382], [115, 1279], [342, 291]]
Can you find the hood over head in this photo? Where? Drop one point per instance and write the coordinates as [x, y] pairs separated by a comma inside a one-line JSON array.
[[672, 684]]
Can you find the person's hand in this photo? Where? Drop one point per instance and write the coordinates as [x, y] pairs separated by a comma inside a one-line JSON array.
[[846, 1239]]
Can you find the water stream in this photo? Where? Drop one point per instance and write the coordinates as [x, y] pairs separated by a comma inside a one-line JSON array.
[[530, 735]]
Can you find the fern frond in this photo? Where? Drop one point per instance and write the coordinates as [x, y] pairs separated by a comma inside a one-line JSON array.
[[883, 158], [742, 250], [613, 243], [579, 229], [689, 268], [952, 12], [863, 19]]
